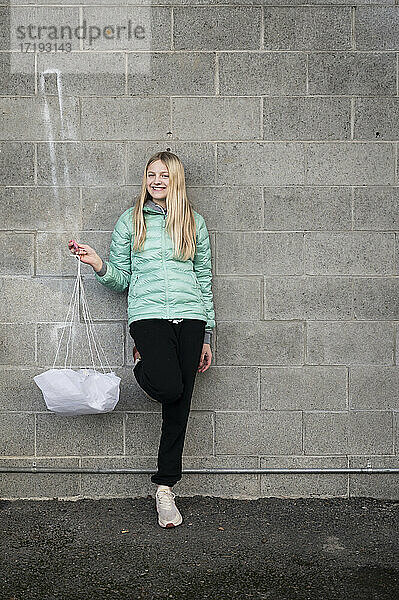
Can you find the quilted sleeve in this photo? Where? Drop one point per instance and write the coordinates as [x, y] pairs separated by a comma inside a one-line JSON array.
[[203, 268], [118, 271]]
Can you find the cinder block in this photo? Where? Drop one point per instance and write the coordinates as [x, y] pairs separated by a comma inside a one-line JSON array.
[[16, 163], [374, 485], [376, 118], [39, 119], [266, 73], [349, 163], [376, 208], [5, 14], [17, 344], [108, 335], [304, 485], [154, 25], [225, 485], [352, 73], [349, 253], [85, 163], [376, 27], [376, 298], [17, 73], [226, 290], [259, 343], [307, 208], [126, 485], [157, 24], [307, 28], [18, 391], [255, 253], [356, 432], [307, 180], [38, 299], [374, 388], [303, 388], [222, 208], [265, 432], [55, 258], [16, 253], [306, 118], [105, 304], [40, 208], [82, 74], [305, 297], [217, 118], [274, 164], [21, 486], [60, 435], [227, 388], [17, 434], [370, 432], [350, 343], [198, 159], [109, 40], [325, 432], [52, 15], [102, 206], [188, 74], [223, 28], [125, 118]]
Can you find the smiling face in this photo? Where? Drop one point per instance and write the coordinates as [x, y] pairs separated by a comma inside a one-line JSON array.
[[158, 181]]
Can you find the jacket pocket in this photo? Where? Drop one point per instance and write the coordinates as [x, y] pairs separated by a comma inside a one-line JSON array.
[[197, 287], [195, 280]]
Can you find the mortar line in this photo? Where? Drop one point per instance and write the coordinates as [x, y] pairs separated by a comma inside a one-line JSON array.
[[126, 75], [172, 28], [217, 76], [353, 28], [262, 28]]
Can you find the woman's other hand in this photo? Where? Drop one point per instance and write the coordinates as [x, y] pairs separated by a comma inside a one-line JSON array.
[[86, 254], [206, 358]]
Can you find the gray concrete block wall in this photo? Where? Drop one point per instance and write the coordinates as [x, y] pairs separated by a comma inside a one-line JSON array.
[[285, 117]]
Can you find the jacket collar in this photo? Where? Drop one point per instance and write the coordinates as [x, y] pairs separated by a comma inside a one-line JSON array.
[[151, 206]]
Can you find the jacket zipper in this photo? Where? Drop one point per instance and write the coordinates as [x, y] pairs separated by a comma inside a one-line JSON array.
[[163, 260]]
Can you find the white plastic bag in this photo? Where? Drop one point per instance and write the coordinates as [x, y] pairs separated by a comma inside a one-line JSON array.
[[85, 391], [82, 392]]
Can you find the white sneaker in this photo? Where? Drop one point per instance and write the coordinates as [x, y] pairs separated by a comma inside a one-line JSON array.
[[168, 513]]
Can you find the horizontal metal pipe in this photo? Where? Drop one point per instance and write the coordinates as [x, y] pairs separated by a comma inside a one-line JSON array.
[[202, 471]]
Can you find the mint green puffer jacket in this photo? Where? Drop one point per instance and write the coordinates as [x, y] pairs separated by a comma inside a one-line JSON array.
[[160, 286]]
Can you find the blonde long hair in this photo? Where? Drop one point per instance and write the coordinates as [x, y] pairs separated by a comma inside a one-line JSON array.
[[180, 222]]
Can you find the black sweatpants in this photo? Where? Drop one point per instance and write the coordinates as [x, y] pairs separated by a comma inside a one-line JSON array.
[[170, 355]]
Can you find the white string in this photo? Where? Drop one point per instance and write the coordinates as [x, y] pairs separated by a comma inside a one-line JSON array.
[[87, 316], [75, 306], [84, 317], [90, 329], [73, 297]]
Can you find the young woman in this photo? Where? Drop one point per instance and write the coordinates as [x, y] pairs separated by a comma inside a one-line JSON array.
[[160, 250]]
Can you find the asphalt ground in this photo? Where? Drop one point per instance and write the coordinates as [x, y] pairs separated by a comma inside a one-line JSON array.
[[268, 549]]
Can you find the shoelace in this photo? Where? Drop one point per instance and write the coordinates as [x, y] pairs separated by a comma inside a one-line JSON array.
[[165, 498]]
